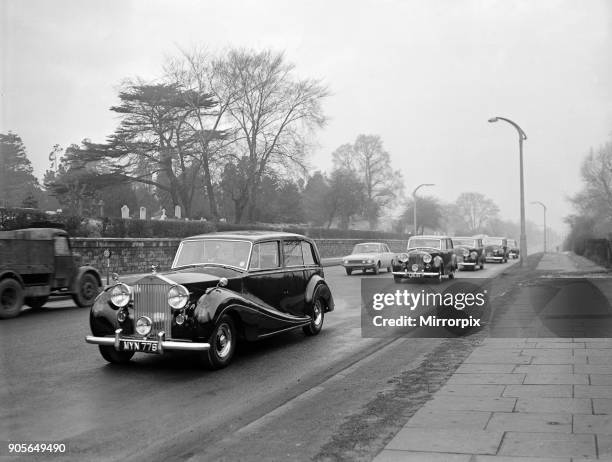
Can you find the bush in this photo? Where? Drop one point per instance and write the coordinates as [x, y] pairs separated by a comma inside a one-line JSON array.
[[171, 228]]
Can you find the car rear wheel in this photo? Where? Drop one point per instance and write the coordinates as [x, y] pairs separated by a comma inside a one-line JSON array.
[[316, 318], [349, 271], [87, 290], [11, 298], [113, 356], [222, 344], [36, 303]]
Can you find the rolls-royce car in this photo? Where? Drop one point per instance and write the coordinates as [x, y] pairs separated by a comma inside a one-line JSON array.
[[426, 256], [513, 249], [496, 249], [469, 252], [221, 287], [368, 256]]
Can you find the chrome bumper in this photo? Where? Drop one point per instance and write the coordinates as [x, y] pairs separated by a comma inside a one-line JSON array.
[[162, 343], [467, 263], [415, 274], [494, 258]]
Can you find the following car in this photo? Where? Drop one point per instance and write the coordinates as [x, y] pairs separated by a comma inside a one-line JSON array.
[[469, 252], [426, 257], [369, 256], [513, 249], [496, 249], [221, 287]]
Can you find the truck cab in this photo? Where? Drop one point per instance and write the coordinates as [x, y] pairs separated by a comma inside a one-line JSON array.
[[36, 263]]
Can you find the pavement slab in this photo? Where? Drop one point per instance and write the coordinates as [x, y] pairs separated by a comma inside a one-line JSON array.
[[539, 399]]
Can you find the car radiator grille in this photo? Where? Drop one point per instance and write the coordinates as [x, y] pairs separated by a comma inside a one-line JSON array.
[[151, 300]]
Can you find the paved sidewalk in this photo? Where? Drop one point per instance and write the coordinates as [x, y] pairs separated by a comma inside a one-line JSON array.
[[519, 399]]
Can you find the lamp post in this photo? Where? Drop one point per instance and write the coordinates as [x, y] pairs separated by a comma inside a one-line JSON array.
[[544, 208], [414, 202], [522, 137]]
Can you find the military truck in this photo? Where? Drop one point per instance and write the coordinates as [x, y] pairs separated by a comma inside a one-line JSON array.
[[36, 263]]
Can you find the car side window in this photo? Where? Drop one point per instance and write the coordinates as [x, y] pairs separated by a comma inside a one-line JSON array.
[[292, 251], [449, 244], [264, 256], [308, 254], [62, 248]]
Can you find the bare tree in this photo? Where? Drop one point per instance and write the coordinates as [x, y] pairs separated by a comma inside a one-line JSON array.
[[369, 160], [274, 112], [475, 210]]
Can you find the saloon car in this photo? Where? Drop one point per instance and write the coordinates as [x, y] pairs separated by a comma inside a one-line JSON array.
[[513, 249], [496, 249], [369, 256], [426, 257], [469, 252], [221, 287]]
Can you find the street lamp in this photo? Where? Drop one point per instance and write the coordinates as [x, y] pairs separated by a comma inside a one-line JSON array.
[[414, 202], [544, 207], [522, 137]]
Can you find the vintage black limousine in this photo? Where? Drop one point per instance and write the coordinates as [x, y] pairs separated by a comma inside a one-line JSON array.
[[470, 252], [221, 287], [426, 257]]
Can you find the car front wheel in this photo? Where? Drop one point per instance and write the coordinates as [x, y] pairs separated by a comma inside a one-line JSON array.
[[316, 318], [87, 290], [222, 344]]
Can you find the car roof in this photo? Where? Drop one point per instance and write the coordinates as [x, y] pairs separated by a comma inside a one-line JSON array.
[[249, 235], [33, 233], [376, 243], [430, 237], [465, 237]]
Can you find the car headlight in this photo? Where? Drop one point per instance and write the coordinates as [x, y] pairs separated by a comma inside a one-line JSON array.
[[426, 258], [370, 261], [178, 296], [403, 258], [474, 255], [346, 262], [121, 295], [466, 253], [144, 325]]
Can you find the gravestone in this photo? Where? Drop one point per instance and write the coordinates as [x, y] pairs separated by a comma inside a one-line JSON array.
[[125, 212], [177, 211], [163, 215], [143, 213]]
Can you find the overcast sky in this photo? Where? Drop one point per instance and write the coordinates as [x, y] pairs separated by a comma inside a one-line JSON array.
[[424, 75]]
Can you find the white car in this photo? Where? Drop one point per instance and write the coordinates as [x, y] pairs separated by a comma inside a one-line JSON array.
[[369, 256]]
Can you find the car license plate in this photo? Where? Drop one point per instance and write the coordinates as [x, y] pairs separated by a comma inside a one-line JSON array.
[[415, 275], [143, 346]]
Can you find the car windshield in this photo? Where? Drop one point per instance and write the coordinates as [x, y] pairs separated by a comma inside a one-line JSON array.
[[366, 248], [494, 241], [468, 242], [512, 243], [423, 242], [213, 251]]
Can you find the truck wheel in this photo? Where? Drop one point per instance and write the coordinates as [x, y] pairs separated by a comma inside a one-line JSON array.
[[87, 291], [36, 303], [11, 298]]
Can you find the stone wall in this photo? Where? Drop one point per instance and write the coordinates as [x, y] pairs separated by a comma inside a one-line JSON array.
[[137, 255]]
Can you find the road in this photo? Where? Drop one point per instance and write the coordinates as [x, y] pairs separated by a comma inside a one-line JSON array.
[[288, 397]]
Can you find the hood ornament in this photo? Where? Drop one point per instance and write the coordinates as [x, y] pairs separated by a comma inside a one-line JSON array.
[[154, 269], [115, 277]]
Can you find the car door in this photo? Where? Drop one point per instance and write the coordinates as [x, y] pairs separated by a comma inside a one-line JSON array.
[[388, 256], [266, 276], [294, 292]]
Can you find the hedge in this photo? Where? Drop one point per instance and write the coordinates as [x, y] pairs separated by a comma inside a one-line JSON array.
[[120, 227]]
